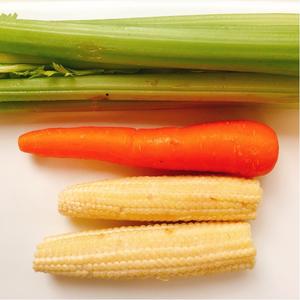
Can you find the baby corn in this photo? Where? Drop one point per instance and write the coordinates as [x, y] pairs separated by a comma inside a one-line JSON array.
[[159, 251], [164, 198]]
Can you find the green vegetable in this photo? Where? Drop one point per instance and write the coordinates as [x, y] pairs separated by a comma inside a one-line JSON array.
[[173, 21], [163, 86], [163, 62], [252, 43]]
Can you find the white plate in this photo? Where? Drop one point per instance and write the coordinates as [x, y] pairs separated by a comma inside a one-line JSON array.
[[29, 186]]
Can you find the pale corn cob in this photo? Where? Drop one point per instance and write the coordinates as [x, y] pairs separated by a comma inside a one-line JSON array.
[[159, 251], [164, 198]]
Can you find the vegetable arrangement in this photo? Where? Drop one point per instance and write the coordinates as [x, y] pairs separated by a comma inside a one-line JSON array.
[[236, 148], [81, 65], [154, 63]]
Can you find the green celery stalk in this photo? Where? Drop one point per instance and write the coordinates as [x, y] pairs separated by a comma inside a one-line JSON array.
[[253, 47], [224, 87], [169, 21]]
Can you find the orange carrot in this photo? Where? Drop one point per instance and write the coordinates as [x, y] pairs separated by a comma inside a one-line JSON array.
[[243, 148]]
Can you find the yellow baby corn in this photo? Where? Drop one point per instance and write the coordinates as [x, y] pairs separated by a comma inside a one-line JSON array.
[[164, 198], [159, 251]]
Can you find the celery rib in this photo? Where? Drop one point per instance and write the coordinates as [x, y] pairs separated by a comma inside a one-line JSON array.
[[223, 87], [249, 48]]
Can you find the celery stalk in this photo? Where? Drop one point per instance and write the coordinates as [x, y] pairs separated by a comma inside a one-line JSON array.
[[169, 21], [218, 87], [253, 47]]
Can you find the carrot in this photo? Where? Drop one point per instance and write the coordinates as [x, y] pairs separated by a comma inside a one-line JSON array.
[[242, 148]]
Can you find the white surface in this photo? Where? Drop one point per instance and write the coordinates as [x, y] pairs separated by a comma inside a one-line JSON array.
[[62, 9], [29, 185]]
